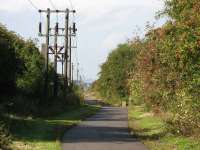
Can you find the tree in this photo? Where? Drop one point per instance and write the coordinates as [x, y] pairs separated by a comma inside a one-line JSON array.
[[112, 81], [7, 64]]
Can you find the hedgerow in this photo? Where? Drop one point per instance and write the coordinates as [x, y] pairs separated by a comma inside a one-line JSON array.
[[164, 72]]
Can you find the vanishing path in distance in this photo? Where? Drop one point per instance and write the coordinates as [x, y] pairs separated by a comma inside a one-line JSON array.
[[107, 130]]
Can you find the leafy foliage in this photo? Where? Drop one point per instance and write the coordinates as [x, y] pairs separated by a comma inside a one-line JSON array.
[[22, 77], [169, 64], [7, 63], [112, 81], [22, 83], [165, 71], [5, 139]]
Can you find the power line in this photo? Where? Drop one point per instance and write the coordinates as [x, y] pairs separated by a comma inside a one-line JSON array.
[[33, 5], [52, 4]]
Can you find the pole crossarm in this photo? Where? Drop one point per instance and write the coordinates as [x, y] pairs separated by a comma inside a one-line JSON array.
[[58, 29], [57, 11], [52, 35]]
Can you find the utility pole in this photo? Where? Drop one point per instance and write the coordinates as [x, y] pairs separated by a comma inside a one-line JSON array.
[[46, 52], [55, 60], [70, 55], [56, 51], [66, 46]]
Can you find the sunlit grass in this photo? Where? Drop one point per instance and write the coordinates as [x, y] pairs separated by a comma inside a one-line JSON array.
[[46, 133], [152, 131]]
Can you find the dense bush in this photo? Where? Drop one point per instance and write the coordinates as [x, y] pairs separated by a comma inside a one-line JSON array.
[[7, 63], [22, 84], [112, 81], [5, 139], [22, 67], [22, 77], [166, 68]]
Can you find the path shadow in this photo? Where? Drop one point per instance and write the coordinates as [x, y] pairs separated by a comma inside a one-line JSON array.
[[109, 125], [96, 102], [97, 134], [110, 114]]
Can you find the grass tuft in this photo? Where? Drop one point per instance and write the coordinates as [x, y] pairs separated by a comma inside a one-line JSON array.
[[153, 132], [46, 133]]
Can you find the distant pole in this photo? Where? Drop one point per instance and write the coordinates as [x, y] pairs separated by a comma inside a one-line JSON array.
[[47, 54], [66, 46]]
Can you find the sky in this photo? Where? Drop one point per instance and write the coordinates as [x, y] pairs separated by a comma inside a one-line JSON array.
[[102, 25]]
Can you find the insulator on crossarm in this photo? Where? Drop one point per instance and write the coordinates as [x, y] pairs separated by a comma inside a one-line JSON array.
[[57, 27], [74, 28], [40, 27]]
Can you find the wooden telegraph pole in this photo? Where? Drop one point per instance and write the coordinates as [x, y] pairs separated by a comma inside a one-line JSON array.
[[46, 50], [66, 47], [70, 56], [55, 60]]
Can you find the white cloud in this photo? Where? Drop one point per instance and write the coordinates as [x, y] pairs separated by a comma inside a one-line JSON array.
[[83, 6], [90, 12], [17, 5]]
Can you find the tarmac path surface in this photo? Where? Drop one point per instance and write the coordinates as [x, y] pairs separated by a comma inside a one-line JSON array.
[[107, 130]]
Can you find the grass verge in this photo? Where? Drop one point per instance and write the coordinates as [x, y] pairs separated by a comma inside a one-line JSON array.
[[152, 131], [45, 133]]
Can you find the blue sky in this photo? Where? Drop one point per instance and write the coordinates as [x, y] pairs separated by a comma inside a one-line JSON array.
[[102, 24]]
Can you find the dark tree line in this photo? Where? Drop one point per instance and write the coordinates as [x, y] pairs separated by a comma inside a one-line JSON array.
[[21, 71], [22, 76], [114, 74], [22, 84], [8, 63]]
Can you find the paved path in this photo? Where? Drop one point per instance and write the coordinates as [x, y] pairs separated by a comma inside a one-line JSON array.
[[108, 130]]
